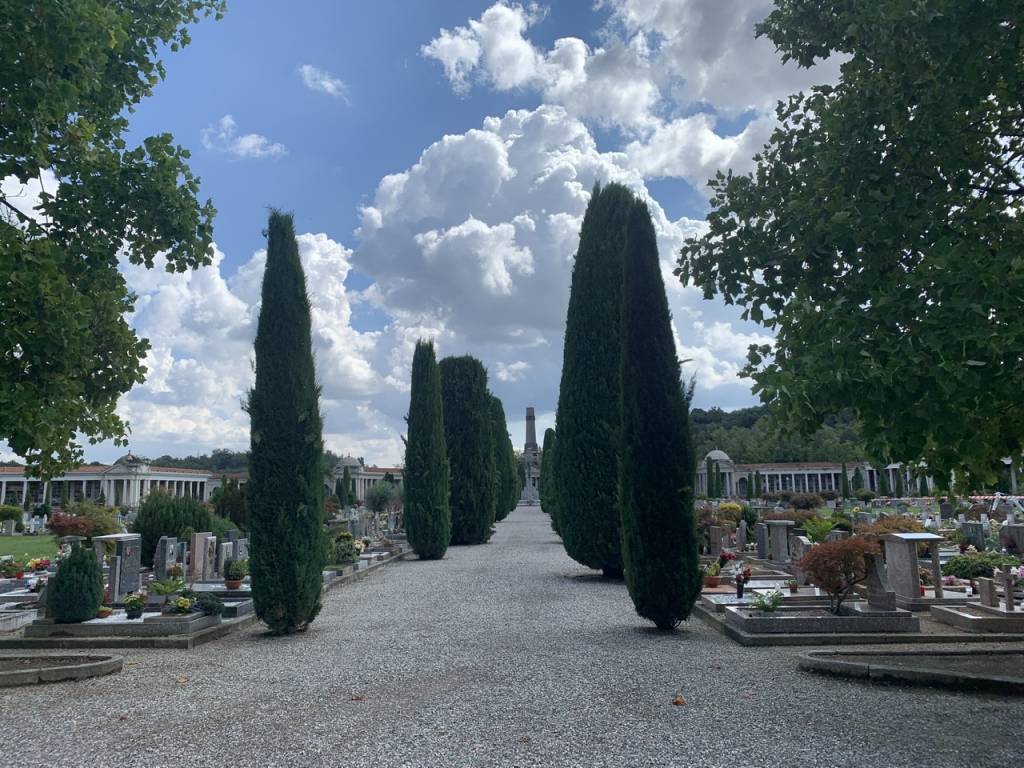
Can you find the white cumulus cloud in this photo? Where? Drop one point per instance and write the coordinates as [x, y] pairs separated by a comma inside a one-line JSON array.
[[222, 137], [321, 80]]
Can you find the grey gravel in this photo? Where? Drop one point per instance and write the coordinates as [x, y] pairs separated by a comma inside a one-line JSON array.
[[507, 654]]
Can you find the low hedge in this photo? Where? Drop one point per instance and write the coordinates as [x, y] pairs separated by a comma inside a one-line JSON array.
[[978, 564]]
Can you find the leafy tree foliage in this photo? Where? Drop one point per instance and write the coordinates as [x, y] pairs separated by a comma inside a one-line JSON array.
[[230, 502], [383, 497], [178, 516], [288, 544], [70, 74], [587, 458], [428, 514], [838, 566], [75, 593], [659, 542], [467, 429], [880, 234]]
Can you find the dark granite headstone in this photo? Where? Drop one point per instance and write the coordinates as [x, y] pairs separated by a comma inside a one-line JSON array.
[[129, 550], [761, 532]]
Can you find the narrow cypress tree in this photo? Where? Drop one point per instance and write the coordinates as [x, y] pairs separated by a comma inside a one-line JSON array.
[[844, 483], [857, 483], [758, 484], [428, 515], [548, 490], [750, 485], [589, 395], [288, 547], [504, 461], [467, 432], [339, 490], [349, 485], [883, 482], [922, 486], [659, 543], [718, 481], [709, 473], [901, 490]]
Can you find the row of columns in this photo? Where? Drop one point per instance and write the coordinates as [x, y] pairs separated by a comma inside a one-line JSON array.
[[128, 491]]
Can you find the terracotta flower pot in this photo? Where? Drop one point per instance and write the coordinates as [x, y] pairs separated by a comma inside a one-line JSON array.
[[232, 583], [711, 581]]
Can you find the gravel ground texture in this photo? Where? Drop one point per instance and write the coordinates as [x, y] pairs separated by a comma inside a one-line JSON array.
[[507, 654]]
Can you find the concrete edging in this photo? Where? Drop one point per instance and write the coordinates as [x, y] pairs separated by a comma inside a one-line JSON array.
[[91, 666], [820, 662]]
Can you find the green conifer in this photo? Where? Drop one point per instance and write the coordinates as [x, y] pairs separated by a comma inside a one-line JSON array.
[[288, 546], [547, 489], [75, 593], [428, 515], [589, 395], [467, 431], [659, 543]]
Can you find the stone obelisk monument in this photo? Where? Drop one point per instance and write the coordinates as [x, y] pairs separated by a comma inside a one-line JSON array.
[[531, 461]]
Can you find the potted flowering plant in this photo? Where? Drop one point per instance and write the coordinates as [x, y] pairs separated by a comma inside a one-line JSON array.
[[725, 557], [794, 586], [180, 604], [134, 604], [742, 577], [104, 611], [711, 575], [235, 572]]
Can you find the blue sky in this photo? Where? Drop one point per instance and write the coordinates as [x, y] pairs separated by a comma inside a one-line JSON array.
[[438, 159]]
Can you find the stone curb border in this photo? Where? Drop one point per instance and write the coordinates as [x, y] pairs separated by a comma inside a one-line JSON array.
[[175, 643], [847, 638], [91, 666], [821, 662]]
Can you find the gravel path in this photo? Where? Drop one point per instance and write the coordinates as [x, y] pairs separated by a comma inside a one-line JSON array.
[[507, 654]]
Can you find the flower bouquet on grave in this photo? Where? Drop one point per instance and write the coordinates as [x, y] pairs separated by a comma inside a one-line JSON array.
[[725, 557], [741, 578], [180, 605]]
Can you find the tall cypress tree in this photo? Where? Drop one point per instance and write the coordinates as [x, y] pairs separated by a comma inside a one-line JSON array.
[[758, 484], [844, 482], [659, 543], [857, 483], [901, 490], [883, 481], [547, 489], [467, 432], [589, 395], [504, 461], [750, 485], [428, 515], [922, 486], [288, 546], [709, 473]]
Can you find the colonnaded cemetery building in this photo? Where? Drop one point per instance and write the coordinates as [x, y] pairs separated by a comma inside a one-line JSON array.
[[803, 476], [131, 479]]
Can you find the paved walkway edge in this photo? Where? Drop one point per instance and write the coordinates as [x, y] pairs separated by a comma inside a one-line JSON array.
[[823, 663]]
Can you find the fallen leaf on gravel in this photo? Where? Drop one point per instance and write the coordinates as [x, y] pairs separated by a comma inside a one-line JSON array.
[[123, 717], [524, 739], [131, 663], [358, 697], [181, 680], [679, 701]]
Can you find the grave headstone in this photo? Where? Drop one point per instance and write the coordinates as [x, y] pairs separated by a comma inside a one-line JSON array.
[[1007, 580], [114, 579], [901, 562], [7, 527], [798, 547], [225, 551], [715, 536], [1012, 535], [862, 518], [210, 561], [880, 596], [164, 556], [197, 556], [129, 553], [741, 536], [984, 519], [837, 535], [778, 540], [946, 510], [761, 533], [242, 549], [987, 592], [974, 532], [961, 518]]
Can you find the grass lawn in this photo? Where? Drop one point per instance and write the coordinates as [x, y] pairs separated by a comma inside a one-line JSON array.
[[34, 546]]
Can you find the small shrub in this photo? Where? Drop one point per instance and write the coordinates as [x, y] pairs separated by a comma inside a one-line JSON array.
[[10, 512], [804, 501], [978, 564], [892, 524], [209, 604], [344, 549], [236, 569], [829, 495], [84, 519], [768, 602], [167, 587], [75, 592], [818, 528], [838, 566], [865, 495]]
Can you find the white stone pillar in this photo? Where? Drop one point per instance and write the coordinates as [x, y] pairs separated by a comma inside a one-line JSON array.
[[3, 491], [24, 492]]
